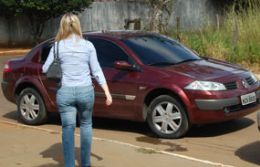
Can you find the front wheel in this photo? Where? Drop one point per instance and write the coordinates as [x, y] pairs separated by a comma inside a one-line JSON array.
[[167, 117], [31, 107]]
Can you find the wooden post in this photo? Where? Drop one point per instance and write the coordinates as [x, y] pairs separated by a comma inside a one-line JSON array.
[[235, 36], [178, 28], [235, 32], [137, 24], [217, 16]]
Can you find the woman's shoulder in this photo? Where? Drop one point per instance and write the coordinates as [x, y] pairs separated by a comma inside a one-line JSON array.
[[88, 43]]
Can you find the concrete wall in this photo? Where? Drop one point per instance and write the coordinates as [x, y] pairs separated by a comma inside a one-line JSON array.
[[193, 14], [109, 15], [4, 33], [99, 16], [15, 32]]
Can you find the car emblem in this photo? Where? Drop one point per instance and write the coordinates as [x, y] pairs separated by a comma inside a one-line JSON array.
[[245, 84]]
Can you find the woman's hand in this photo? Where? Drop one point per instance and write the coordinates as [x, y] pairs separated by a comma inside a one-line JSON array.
[[108, 100], [108, 95]]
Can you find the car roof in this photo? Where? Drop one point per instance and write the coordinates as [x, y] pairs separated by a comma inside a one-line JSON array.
[[112, 34], [118, 34]]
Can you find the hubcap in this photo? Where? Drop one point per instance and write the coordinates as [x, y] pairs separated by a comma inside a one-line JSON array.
[[29, 107], [167, 117]]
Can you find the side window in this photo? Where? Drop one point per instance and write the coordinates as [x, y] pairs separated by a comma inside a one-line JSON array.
[[45, 52], [108, 52]]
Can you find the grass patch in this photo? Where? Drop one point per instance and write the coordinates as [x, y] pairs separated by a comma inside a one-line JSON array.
[[237, 40]]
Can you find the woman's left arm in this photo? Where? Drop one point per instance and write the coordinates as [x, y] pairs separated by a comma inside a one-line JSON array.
[[95, 66], [48, 62]]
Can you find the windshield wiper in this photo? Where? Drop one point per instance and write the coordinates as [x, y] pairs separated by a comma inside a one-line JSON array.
[[162, 64], [187, 60]]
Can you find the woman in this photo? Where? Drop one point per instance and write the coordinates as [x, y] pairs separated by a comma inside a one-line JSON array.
[[76, 94]]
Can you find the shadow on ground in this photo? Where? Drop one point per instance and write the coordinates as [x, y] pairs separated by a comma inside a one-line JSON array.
[[250, 153], [12, 115], [98, 123], [122, 125], [53, 118], [217, 129], [55, 153], [209, 130]]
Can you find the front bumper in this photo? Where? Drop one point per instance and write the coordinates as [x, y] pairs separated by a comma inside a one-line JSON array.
[[219, 107], [228, 104]]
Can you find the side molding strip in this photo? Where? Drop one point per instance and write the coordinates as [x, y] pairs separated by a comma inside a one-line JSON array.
[[117, 96]]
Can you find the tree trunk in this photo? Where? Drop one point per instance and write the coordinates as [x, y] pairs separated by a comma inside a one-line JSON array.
[[157, 23], [155, 20]]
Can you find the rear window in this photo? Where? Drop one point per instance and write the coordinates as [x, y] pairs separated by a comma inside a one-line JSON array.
[[45, 52]]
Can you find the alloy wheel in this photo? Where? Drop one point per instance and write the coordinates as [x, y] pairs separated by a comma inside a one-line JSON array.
[[167, 117], [29, 107]]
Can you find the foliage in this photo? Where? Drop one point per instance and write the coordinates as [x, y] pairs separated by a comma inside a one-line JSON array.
[[7, 7]]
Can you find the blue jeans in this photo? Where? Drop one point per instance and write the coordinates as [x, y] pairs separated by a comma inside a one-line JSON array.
[[71, 100]]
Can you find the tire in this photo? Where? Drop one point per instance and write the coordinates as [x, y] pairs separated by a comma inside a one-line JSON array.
[[167, 117], [31, 108]]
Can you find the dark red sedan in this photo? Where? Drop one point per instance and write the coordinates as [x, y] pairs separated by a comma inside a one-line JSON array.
[[152, 78]]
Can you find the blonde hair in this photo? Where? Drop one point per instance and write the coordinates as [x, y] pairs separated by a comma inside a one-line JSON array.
[[69, 24]]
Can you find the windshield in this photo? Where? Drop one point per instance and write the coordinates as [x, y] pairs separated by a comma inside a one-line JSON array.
[[159, 50]]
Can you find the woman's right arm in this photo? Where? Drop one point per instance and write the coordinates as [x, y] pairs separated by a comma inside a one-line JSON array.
[[48, 62], [107, 93], [98, 74]]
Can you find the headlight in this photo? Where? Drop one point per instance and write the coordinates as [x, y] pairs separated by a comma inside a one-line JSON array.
[[205, 85], [253, 77]]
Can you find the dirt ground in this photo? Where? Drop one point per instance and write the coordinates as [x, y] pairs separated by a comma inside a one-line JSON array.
[[29, 147]]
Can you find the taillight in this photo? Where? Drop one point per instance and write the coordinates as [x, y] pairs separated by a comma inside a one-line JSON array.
[[7, 67]]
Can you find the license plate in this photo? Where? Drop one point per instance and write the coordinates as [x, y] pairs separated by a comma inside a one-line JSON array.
[[248, 98]]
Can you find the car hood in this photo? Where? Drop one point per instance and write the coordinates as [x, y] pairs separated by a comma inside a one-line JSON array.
[[206, 69]]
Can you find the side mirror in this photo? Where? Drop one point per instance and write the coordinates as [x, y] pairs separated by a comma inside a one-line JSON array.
[[123, 65]]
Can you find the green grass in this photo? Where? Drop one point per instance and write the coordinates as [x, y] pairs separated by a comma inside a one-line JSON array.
[[237, 40]]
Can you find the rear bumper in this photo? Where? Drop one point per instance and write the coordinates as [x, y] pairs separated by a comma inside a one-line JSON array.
[[7, 91], [4, 85]]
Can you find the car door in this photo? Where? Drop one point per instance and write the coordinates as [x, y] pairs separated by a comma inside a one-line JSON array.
[[50, 86], [122, 83]]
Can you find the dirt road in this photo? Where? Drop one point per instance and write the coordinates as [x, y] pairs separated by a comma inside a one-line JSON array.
[[124, 143]]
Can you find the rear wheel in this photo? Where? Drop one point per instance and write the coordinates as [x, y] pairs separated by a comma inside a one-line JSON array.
[[31, 107], [167, 117]]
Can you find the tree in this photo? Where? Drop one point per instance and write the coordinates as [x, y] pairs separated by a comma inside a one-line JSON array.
[[161, 12], [40, 11], [7, 8]]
